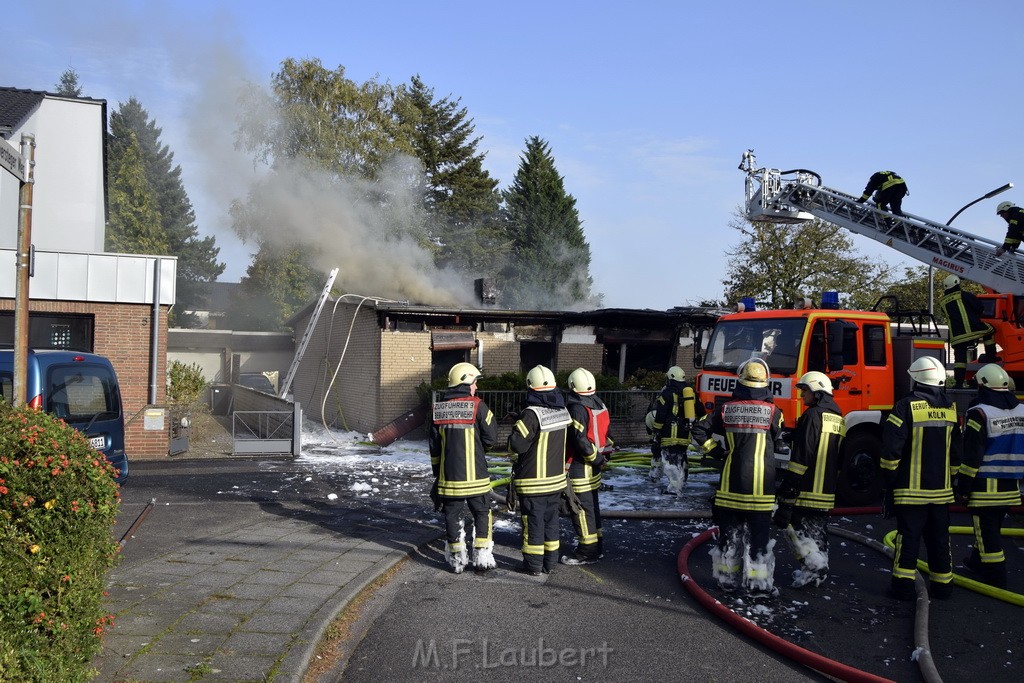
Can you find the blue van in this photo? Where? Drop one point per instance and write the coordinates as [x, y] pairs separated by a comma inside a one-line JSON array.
[[79, 388]]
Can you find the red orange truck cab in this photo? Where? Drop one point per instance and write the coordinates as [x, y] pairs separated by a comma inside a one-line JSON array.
[[862, 352]]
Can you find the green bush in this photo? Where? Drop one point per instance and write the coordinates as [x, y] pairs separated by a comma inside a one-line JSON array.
[[186, 384], [58, 501]]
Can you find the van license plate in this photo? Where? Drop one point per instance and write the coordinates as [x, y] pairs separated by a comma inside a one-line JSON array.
[[98, 442]]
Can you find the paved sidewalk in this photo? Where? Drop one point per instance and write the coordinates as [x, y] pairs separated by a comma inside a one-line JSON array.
[[249, 601]]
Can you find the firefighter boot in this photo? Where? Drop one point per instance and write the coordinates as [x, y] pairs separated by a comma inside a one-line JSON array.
[[655, 471], [940, 591], [902, 589], [455, 553], [483, 557]]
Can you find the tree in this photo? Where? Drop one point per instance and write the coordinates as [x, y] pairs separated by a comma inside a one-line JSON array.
[[551, 257], [277, 284], [134, 220], [775, 263], [68, 85], [325, 118], [197, 256], [460, 196]]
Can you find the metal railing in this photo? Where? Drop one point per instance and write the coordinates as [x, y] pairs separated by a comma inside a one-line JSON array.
[[267, 431]]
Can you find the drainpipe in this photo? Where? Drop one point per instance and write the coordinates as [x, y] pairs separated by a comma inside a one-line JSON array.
[[154, 344], [480, 354]]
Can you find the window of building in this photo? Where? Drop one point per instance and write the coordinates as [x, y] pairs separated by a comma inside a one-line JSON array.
[[532, 354], [52, 330]]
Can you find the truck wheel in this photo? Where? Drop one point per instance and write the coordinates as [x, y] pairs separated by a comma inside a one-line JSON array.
[[859, 481]]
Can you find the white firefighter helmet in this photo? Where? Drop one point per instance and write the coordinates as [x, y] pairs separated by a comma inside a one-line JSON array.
[[928, 370], [581, 381], [540, 379], [1004, 206], [649, 420], [462, 373], [754, 373], [951, 281], [815, 381], [675, 372], [993, 377]]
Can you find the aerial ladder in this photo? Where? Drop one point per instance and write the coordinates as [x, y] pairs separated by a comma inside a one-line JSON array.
[[797, 196]]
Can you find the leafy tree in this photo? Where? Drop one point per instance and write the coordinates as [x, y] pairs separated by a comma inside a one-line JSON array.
[[460, 195], [277, 284], [775, 263], [326, 118], [134, 219], [551, 257], [197, 256], [68, 85]]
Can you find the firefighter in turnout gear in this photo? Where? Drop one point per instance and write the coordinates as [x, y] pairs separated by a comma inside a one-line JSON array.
[[992, 467], [751, 425], [921, 449], [808, 488], [1014, 217], [538, 439], [889, 189], [966, 328], [464, 428], [589, 444], [675, 411]]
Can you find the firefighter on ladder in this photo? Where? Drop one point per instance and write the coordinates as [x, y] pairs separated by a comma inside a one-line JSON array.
[[966, 328], [889, 189], [589, 444], [1014, 217], [808, 489], [463, 429], [992, 467], [675, 411]]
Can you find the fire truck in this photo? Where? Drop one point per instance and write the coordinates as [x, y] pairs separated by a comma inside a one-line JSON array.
[[865, 353]]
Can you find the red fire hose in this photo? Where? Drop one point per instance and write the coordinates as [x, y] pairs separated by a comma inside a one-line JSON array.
[[784, 647]]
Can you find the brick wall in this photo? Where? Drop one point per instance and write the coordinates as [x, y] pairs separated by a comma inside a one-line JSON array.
[[353, 401], [572, 356], [404, 364], [501, 353], [123, 334]]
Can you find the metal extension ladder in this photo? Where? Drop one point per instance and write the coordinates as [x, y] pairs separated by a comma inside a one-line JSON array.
[[307, 335], [797, 196]]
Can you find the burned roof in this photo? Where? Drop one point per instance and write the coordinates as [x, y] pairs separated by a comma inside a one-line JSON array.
[[696, 316]]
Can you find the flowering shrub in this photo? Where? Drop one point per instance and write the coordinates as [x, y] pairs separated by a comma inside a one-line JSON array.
[[58, 501]]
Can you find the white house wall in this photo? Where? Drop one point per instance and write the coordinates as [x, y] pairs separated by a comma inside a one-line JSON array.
[[68, 210]]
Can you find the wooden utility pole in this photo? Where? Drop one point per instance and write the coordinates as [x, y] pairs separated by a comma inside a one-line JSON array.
[[23, 264]]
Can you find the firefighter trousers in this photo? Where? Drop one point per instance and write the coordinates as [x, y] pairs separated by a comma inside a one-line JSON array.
[[744, 557], [587, 525], [541, 530], [454, 512], [809, 540], [988, 539], [917, 523]]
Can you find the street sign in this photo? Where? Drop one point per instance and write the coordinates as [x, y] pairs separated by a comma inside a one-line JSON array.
[[11, 161]]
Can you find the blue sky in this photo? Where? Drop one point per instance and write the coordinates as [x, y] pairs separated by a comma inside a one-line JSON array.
[[647, 106]]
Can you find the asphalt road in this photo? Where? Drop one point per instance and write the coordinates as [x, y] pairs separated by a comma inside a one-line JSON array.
[[430, 624], [626, 618]]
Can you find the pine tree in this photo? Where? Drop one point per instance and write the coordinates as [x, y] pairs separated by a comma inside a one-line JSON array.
[[134, 220], [460, 196], [197, 256], [551, 257], [68, 85]]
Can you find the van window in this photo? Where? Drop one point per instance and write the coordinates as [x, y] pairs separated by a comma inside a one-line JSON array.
[[81, 392]]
